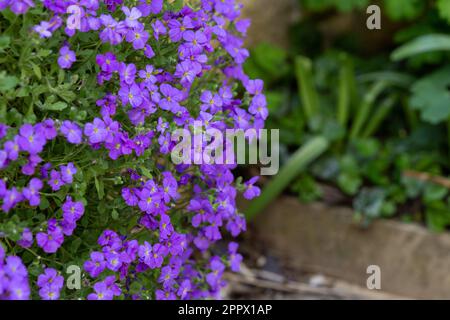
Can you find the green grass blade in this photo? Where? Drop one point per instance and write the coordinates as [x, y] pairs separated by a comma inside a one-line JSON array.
[[379, 115], [364, 111], [298, 162], [346, 73], [307, 91]]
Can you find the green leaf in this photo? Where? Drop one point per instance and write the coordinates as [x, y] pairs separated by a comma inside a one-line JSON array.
[[438, 216], [115, 214], [4, 42], [422, 44], [443, 7], [430, 95], [369, 202], [403, 9], [298, 161], [100, 188], [36, 70], [7, 82], [57, 106]]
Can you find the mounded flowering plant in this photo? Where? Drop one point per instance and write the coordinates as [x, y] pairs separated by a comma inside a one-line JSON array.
[[90, 92]]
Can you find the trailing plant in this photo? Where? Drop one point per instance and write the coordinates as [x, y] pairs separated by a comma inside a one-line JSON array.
[[90, 92]]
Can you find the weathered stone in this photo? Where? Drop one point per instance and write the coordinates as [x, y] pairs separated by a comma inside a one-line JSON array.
[[414, 262]]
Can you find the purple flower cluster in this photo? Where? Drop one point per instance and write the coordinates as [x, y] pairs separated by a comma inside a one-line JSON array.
[[202, 44], [53, 239], [13, 278], [18, 7], [50, 284]]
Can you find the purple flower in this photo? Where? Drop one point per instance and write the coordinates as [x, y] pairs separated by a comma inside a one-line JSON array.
[[251, 191], [109, 238], [234, 257], [11, 199], [19, 289], [131, 94], [217, 269], [31, 192], [195, 39], [21, 6], [50, 284], [167, 277], [12, 148], [110, 32], [184, 289], [3, 130], [95, 265], [29, 140], [26, 240], [29, 168], [132, 15], [187, 72], [96, 131], [138, 37], [47, 129], [72, 132], [43, 29], [148, 200], [14, 268], [177, 28], [66, 57], [147, 74], [107, 62], [55, 180], [51, 241], [170, 187], [102, 292], [148, 51], [243, 25], [67, 173], [72, 211], [165, 227], [172, 97], [3, 159], [158, 29], [212, 102], [50, 277], [255, 87], [148, 7], [49, 293], [258, 106], [127, 73], [113, 261], [130, 196]]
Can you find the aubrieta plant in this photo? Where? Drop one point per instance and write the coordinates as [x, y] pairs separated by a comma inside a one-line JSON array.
[[90, 92]]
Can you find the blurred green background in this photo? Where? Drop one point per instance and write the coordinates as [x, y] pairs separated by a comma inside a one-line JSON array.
[[364, 115]]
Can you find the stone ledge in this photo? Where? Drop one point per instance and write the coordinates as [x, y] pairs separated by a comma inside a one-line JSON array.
[[414, 262]]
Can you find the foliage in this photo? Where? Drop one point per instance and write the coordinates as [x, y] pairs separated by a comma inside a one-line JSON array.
[[385, 113]]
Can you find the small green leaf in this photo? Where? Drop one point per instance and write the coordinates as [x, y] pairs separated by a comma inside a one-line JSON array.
[[36, 70], [100, 188], [57, 106], [115, 214]]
